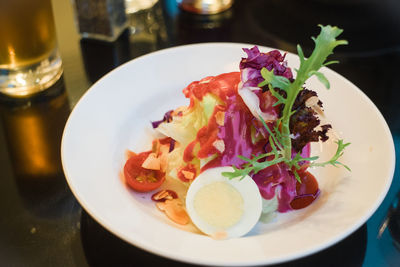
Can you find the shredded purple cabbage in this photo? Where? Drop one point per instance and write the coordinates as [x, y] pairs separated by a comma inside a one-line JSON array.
[[278, 179], [236, 135], [251, 66], [167, 118], [171, 145]]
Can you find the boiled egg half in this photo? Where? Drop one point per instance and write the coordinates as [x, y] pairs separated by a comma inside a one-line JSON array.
[[221, 207]]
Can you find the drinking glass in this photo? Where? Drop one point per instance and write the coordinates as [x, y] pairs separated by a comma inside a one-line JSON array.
[[29, 57], [206, 7]]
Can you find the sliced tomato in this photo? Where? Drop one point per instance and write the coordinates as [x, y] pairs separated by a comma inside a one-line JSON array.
[[139, 178]]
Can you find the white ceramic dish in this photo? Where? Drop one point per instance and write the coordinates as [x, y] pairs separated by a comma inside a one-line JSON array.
[[115, 114]]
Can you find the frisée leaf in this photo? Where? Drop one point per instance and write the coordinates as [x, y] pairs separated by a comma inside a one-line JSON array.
[[324, 45], [280, 137]]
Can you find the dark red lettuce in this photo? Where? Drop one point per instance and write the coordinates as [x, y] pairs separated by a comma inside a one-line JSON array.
[[304, 121]]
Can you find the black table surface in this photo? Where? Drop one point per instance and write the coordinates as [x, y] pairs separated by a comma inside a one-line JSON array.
[[41, 222]]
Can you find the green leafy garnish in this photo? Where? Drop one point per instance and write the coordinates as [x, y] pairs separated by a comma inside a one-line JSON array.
[[254, 165], [334, 160], [280, 136]]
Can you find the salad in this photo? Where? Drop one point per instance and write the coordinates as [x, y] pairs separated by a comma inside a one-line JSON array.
[[241, 148]]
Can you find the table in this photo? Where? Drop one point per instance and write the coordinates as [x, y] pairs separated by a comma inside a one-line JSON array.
[[42, 224]]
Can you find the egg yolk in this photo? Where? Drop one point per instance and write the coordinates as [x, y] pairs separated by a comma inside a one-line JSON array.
[[219, 204]]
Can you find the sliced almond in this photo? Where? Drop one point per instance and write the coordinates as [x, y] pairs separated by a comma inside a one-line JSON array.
[[220, 118], [163, 162], [160, 206], [161, 195], [152, 162], [164, 149], [312, 102], [178, 111], [163, 156], [219, 145], [164, 195], [156, 146], [188, 175], [174, 210]]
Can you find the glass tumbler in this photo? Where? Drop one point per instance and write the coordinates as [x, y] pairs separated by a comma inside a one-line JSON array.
[[29, 57]]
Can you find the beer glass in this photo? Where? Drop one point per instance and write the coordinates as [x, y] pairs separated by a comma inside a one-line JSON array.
[[29, 58]]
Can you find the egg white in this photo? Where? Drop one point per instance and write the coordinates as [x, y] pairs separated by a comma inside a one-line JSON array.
[[252, 203]]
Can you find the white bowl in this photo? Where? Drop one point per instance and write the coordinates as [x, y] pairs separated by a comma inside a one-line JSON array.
[[115, 113]]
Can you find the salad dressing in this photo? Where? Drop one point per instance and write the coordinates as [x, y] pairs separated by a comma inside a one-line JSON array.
[[236, 131], [237, 137]]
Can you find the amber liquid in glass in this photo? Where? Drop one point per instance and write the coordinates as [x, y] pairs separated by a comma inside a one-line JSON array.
[[27, 33], [29, 58]]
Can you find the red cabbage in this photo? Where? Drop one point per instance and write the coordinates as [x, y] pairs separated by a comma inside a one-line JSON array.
[[167, 118], [251, 66], [236, 135], [278, 179]]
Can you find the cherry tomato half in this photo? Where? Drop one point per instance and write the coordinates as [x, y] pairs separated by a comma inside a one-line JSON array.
[[307, 191], [139, 178]]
